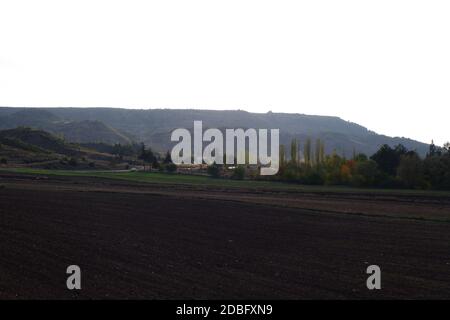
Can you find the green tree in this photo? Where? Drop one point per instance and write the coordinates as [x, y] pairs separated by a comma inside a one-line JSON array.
[[433, 150], [388, 159], [155, 163], [290, 172], [167, 158], [437, 171], [322, 152], [410, 171], [146, 155], [317, 152], [366, 174], [446, 148], [332, 167], [282, 157], [294, 151], [360, 157], [307, 152]]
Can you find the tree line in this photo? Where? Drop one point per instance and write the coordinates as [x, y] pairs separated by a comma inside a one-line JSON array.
[[155, 161], [389, 167], [147, 157]]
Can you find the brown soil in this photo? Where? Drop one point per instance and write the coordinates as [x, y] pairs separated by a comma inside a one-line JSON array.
[[172, 242]]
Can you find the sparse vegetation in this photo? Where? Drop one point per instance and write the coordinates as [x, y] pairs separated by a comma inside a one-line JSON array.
[[41, 149]]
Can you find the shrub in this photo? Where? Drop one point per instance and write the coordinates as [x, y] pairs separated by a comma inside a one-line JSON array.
[[214, 170], [73, 162], [155, 164], [312, 177], [290, 172], [170, 167], [239, 173]]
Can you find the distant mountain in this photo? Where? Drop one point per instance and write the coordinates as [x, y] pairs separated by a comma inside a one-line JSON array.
[[154, 126]]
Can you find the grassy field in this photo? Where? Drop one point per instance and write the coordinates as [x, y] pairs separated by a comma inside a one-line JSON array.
[[165, 178]]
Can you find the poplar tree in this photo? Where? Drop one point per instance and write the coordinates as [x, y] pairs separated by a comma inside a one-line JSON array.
[[317, 154], [308, 152], [282, 156], [322, 152], [294, 151]]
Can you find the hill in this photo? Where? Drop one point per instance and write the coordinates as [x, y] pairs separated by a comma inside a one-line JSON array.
[[37, 140], [83, 131], [34, 147], [87, 131], [155, 125]]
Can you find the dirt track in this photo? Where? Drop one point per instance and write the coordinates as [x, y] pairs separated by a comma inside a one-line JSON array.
[[133, 242]]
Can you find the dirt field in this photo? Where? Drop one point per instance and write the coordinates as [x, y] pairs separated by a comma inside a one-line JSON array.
[[146, 241]]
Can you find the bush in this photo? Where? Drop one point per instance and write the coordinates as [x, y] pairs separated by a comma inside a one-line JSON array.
[[155, 164], [239, 173], [290, 172], [171, 167], [312, 177], [389, 182], [73, 162], [213, 170]]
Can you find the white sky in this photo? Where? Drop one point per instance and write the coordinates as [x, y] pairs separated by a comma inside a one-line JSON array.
[[382, 64]]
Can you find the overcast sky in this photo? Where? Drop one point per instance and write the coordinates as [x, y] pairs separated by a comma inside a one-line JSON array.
[[382, 64]]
